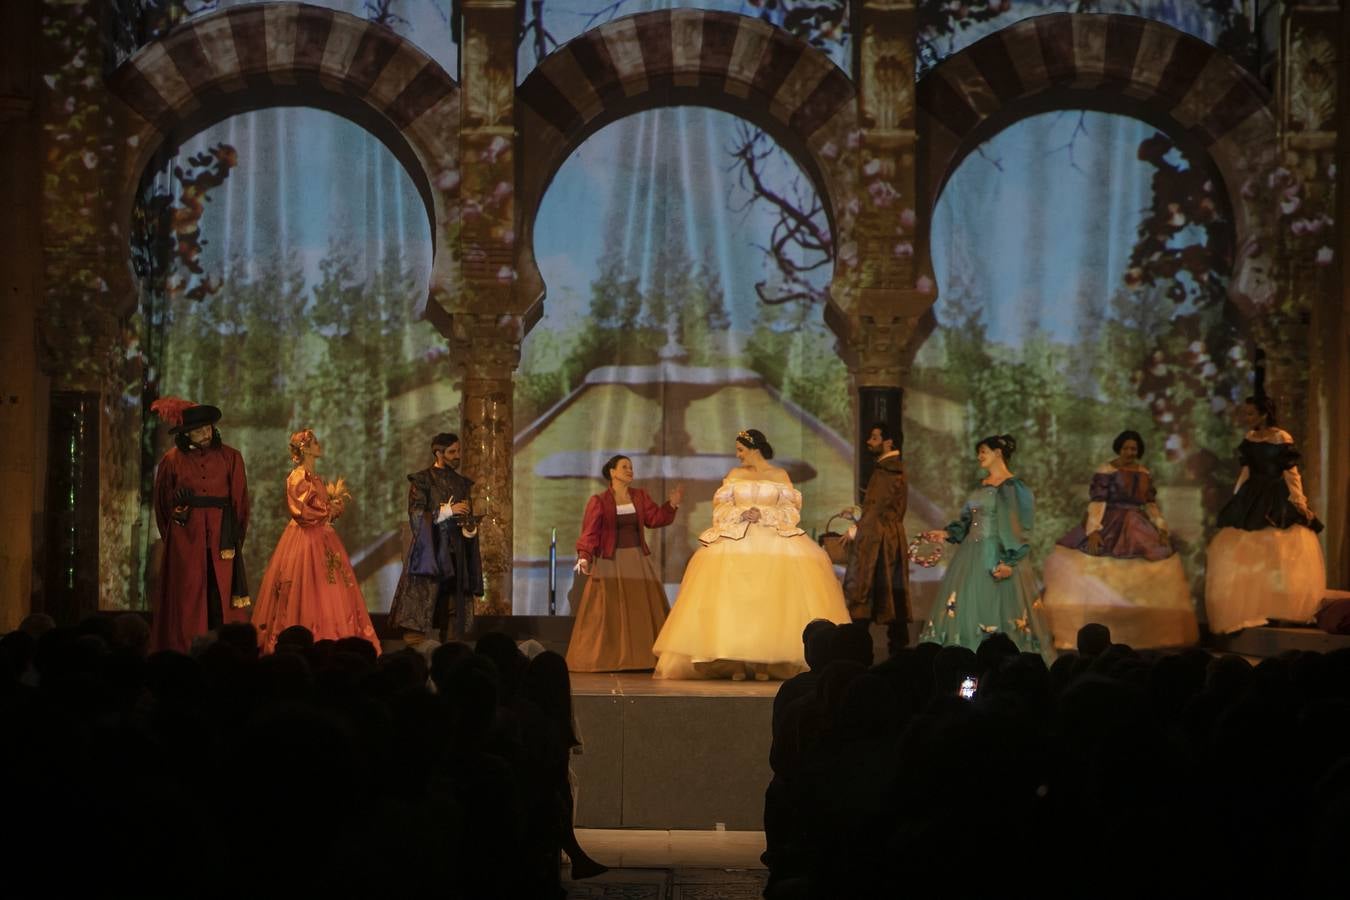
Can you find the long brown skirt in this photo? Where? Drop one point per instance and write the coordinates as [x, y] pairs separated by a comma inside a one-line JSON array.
[[620, 615]]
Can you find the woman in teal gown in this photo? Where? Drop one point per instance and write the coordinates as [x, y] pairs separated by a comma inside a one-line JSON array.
[[989, 585]]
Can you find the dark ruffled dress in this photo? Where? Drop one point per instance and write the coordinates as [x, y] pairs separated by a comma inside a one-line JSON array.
[[1265, 562]]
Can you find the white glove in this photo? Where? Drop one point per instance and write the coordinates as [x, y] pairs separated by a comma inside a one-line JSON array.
[[443, 512]]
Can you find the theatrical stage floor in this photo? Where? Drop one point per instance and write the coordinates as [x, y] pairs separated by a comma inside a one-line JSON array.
[[671, 754], [642, 684], [671, 865]]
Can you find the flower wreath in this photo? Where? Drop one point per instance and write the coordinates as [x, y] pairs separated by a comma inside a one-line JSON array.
[[926, 560]]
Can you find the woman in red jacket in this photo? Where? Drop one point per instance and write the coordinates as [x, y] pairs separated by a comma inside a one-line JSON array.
[[624, 604]]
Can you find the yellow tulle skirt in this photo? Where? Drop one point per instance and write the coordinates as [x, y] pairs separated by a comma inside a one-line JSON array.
[[746, 602], [1144, 603], [1253, 576]]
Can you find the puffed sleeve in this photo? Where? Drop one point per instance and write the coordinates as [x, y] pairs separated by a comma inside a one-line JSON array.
[[307, 500], [1099, 491], [1016, 511], [591, 523], [1151, 509], [1289, 460], [785, 513], [1244, 457], [654, 516], [726, 521], [956, 531]]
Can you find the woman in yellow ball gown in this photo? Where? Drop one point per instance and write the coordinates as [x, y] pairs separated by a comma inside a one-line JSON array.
[[754, 584]]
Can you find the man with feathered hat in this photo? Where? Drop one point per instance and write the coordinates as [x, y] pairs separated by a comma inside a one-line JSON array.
[[201, 508]]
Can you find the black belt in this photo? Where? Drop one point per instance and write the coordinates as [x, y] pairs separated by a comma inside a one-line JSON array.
[[230, 538]]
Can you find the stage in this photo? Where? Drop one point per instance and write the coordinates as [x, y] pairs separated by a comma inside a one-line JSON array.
[[671, 754]]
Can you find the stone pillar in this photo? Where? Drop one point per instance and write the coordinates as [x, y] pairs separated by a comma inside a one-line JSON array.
[[485, 330], [71, 589], [20, 287], [1336, 347], [877, 328], [488, 350], [1313, 403]]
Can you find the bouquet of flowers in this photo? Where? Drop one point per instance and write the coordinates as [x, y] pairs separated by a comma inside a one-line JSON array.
[[338, 496]]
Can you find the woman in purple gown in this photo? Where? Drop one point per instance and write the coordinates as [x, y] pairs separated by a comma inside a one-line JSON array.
[[1118, 568]]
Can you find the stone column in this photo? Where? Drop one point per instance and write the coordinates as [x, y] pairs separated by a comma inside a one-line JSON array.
[[1315, 401], [20, 287], [488, 349], [889, 297], [1336, 345], [485, 329]]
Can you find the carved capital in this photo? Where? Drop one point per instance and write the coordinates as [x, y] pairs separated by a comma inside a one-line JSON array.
[[874, 342], [1308, 74], [487, 347]]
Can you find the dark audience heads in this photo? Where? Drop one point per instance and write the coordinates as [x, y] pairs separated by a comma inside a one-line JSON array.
[[1093, 639], [950, 666], [444, 658], [99, 625], [816, 642], [897, 636], [131, 634], [548, 686], [16, 654], [471, 688], [1228, 675], [993, 650], [37, 624], [835, 680], [284, 676], [510, 662], [241, 636], [358, 646], [295, 638], [867, 708], [401, 671], [173, 678], [852, 642]]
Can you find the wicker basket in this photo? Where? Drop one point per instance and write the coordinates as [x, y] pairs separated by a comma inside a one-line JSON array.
[[836, 548]]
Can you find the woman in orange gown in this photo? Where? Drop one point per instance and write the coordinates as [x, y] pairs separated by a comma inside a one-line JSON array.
[[309, 580]]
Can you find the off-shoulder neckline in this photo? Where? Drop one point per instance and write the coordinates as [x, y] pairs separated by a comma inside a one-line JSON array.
[[1108, 467], [1281, 437]]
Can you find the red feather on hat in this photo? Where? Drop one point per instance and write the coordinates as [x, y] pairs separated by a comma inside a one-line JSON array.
[[171, 409]]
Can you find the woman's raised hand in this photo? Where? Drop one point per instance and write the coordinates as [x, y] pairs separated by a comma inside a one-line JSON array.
[[676, 496]]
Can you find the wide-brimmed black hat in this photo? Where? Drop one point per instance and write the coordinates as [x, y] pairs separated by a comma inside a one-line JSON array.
[[196, 417]]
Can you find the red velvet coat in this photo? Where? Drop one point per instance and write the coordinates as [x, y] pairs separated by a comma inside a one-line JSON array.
[[180, 597], [600, 529]]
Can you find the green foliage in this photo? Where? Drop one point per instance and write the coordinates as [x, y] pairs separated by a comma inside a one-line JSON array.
[[795, 353]]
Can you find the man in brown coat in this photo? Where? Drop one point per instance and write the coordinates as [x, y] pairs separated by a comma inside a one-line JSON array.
[[876, 584]]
